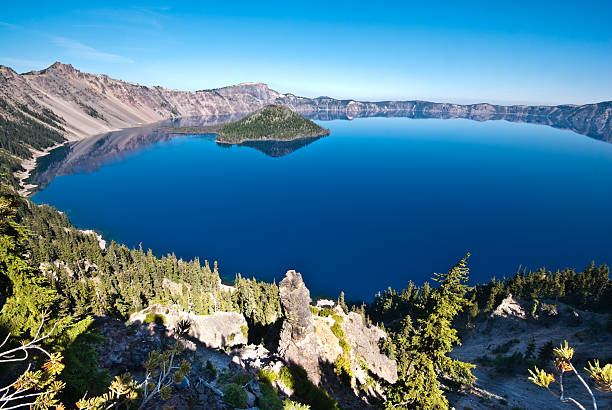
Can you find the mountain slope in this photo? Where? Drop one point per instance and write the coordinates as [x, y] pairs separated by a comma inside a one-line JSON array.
[[95, 103]]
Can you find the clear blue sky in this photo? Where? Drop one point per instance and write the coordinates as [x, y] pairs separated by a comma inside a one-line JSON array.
[[505, 52]]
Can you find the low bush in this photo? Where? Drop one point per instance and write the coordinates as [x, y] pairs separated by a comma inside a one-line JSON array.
[[155, 318], [269, 400], [211, 371], [293, 405], [325, 312], [337, 331], [267, 375], [235, 395], [241, 379], [505, 347], [304, 389], [286, 377], [342, 364]]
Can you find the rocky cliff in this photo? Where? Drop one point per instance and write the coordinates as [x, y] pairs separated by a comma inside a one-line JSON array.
[[319, 341], [94, 103]]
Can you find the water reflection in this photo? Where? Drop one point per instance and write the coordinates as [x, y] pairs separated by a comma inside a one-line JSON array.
[[90, 154], [275, 148]]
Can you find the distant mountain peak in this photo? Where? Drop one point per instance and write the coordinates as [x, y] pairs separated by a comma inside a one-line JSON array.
[[61, 68], [7, 70]]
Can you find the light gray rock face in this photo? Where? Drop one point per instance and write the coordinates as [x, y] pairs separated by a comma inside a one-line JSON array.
[[509, 307], [298, 344], [295, 299], [219, 330], [363, 341], [94, 103], [312, 345]]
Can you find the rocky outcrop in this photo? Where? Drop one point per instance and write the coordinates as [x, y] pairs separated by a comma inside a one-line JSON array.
[[363, 341], [295, 299], [219, 330], [509, 307], [126, 347], [298, 344], [308, 341]]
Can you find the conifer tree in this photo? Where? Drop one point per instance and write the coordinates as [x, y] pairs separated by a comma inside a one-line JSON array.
[[422, 350]]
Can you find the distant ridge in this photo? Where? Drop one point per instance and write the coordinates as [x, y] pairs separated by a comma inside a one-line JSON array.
[[90, 104]]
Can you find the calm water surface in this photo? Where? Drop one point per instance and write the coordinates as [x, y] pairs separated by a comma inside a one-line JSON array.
[[377, 203]]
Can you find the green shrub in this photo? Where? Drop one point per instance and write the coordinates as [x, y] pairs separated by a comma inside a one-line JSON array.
[[235, 395], [546, 352], [314, 310], [269, 400], [505, 347], [286, 377], [345, 346], [337, 318], [81, 360], [342, 364], [210, 368], [241, 379], [245, 332], [155, 318], [225, 376], [292, 405], [534, 308], [337, 331], [325, 312], [267, 375], [317, 397]]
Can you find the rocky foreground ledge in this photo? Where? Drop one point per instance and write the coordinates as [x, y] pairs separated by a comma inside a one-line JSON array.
[[312, 338]]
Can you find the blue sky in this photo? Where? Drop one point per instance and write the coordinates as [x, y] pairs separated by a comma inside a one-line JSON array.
[[546, 52]]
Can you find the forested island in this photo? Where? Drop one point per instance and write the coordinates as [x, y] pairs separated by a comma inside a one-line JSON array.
[[271, 123]]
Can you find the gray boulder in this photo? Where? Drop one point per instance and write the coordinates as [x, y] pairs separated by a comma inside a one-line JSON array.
[[219, 330]]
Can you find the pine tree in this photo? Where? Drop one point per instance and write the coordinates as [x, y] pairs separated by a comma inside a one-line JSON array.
[[422, 351]]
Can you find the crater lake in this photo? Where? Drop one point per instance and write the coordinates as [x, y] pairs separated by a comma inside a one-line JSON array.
[[377, 203]]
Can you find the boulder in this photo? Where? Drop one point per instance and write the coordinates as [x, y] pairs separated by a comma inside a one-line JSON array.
[[509, 307], [219, 330]]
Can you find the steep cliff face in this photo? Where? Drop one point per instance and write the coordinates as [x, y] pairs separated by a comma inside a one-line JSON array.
[[94, 103]]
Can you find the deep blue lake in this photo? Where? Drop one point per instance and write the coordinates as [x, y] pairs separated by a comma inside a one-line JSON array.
[[379, 202]]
